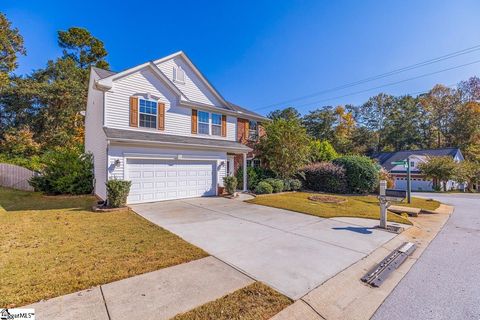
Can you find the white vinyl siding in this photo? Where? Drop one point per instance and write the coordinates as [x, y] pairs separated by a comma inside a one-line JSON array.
[[177, 118], [95, 139], [193, 88]]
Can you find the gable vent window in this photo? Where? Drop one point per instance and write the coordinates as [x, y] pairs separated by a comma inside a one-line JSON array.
[[148, 113], [178, 74]]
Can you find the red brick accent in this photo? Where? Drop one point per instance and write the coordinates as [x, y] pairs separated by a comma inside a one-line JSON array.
[[242, 137]]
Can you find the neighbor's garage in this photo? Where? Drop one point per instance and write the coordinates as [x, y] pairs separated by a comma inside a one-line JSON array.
[[156, 180]]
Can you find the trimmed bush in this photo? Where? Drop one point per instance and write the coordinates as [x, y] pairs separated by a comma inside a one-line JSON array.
[[295, 184], [230, 183], [276, 184], [254, 176], [360, 172], [65, 171], [263, 187], [325, 177], [117, 192]]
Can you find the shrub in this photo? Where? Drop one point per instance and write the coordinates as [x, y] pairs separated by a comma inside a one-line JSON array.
[[325, 177], [117, 192], [276, 184], [295, 184], [322, 150], [254, 176], [65, 171], [360, 172], [263, 187], [230, 183]]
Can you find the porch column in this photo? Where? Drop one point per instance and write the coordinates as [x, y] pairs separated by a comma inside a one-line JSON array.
[[244, 172]]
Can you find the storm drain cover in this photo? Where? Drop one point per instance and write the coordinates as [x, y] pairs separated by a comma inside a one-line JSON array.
[[378, 274]]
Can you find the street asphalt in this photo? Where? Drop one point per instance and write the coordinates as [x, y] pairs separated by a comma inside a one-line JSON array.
[[445, 282]]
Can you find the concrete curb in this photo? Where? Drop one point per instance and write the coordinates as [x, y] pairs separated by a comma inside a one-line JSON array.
[[344, 296]]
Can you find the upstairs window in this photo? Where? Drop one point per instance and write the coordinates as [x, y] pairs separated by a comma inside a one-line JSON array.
[[252, 130], [147, 113], [203, 123], [178, 74], [216, 124]]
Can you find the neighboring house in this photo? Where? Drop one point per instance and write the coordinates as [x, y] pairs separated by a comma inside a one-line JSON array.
[[418, 180], [163, 126]]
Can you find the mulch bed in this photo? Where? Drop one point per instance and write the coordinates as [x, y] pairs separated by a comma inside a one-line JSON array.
[[326, 199]]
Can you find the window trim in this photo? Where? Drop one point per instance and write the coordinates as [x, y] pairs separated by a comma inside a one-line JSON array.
[[255, 137], [200, 122], [217, 125], [149, 114]]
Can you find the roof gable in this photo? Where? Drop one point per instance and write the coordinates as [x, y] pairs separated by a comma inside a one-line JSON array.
[[386, 158]]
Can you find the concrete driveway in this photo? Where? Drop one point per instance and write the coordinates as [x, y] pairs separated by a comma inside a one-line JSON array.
[[291, 252]]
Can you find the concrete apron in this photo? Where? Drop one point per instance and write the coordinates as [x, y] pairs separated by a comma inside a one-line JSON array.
[[291, 252], [344, 296], [155, 295]]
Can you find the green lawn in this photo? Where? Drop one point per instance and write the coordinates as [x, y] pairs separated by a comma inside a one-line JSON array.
[[254, 302], [355, 206], [50, 246]]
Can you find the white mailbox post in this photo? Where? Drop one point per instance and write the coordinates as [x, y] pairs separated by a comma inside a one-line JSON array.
[[383, 204]]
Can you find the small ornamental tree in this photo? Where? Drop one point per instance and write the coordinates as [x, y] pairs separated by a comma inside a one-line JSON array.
[[467, 172], [285, 147], [322, 150], [440, 169]]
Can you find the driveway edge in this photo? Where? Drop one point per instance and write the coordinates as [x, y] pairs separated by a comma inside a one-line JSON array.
[[344, 296]]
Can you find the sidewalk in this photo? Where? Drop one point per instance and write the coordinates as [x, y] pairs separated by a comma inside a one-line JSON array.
[[345, 297], [156, 295]]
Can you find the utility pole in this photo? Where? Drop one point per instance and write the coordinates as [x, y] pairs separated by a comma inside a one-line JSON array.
[[409, 183]]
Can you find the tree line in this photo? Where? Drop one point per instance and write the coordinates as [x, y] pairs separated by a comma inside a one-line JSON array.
[[442, 117], [42, 111]]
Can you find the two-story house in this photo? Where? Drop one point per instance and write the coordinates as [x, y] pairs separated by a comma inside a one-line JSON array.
[[419, 182], [164, 127]]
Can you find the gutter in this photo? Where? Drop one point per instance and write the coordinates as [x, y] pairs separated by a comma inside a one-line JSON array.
[[175, 144]]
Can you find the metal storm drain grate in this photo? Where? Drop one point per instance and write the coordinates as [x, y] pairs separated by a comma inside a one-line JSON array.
[[377, 275]]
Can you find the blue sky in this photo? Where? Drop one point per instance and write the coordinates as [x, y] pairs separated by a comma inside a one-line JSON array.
[[258, 53]]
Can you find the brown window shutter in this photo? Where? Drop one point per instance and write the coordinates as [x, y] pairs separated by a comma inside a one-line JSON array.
[[194, 121], [247, 127], [133, 111], [224, 125], [161, 116]]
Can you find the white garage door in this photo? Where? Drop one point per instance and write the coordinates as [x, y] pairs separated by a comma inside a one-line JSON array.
[[156, 180]]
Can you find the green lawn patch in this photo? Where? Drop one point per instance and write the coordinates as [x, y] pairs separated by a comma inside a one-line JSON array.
[[50, 246], [354, 206], [254, 302]]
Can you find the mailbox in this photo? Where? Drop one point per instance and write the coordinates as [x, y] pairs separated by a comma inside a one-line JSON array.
[[395, 195]]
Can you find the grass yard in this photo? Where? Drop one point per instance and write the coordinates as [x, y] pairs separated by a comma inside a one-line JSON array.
[[354, 206], [254, 302], [50, 246]]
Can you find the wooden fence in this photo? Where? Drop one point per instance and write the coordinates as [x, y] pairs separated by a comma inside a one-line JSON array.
[[15, 177]]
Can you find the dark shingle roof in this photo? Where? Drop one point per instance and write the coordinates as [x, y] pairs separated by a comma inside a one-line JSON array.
[[244, 111], [102, 73], [385, 158], [174, 140]]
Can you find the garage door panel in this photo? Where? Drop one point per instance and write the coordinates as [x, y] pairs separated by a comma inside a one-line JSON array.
[[155, 180]]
